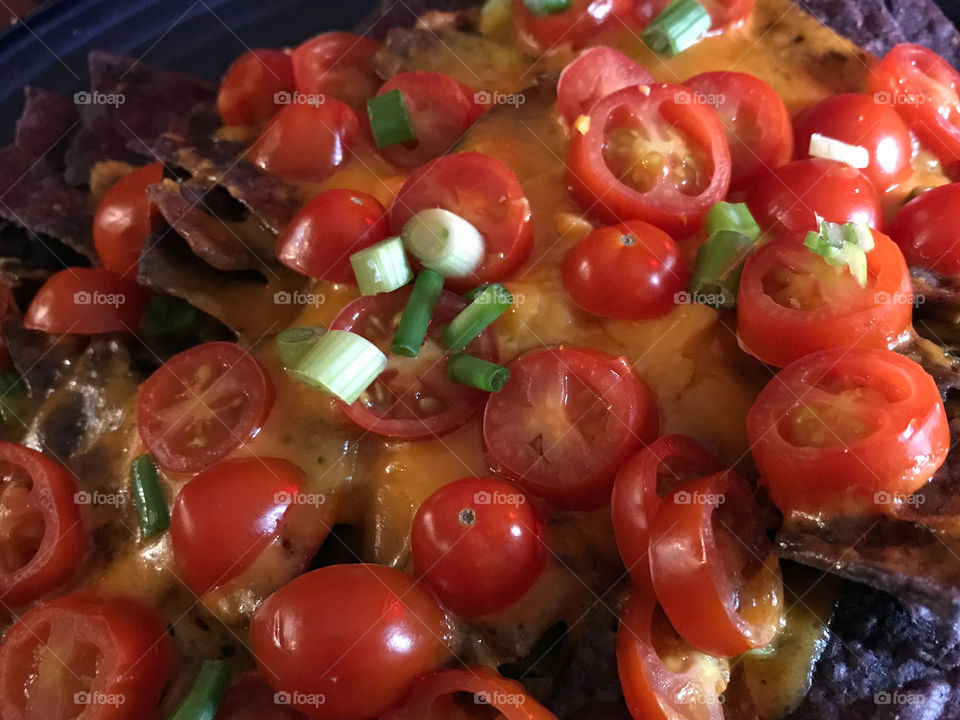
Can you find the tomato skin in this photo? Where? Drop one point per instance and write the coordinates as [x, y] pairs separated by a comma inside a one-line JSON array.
[[134, 660], [636, 499], [756, 121], [86, 301], [790, 198], [779, 331], [605, 275], [860, 120], [337, 64], [8, 305], [248, 91], [249, 697], [124, 220], [925, 230], [330, 227], [385, 621], [596, 73], [670, 108], [579, 472], [577, 26], [453, 557], [304, 142], [483, 191], [892, 444], [173, 407]]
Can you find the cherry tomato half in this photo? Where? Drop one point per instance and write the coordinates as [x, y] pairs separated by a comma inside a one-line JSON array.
[[790, 198], [860, 120], [651, 153], [44, 539], [576, 26], [124, 220], [755, 119], [632, 271], [79, 656], [250, 697], [483, 191], [836, 428], [596, 73], [792, 303], [566, 421], [337, 64], [248, 92], [86, 301], [926, 230], [454, 532], [202, 404], [327, 230], [356, 636]]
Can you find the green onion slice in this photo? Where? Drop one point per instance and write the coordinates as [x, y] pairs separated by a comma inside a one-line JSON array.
[[682, 24], [717, 269], [390, 120], [844, 245], [478, 373], [731, 216], [547, 7], [203, 699], [341, 364], [293, 343], [444, 242], [381, 268], [415, 319], [829, 148], [148, 497], [488, 304]]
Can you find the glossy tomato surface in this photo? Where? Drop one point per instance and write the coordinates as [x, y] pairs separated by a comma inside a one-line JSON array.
[[596, 73], [86, 301], [124, 219], [926, 230], [255, 86], [337, 64], [582, 23]]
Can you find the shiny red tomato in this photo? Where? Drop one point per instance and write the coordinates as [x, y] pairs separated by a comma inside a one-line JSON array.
[[847, 429], [860, 120], [202, 404], [755, 119], [412, 398], [86, 301], [651, 153], [790, 198], [325, 232], [792, 303], [80, 656], [596, 73], [441, 110], [337, 64], [713, 568], [483, 191], [249, 90], [576, 26], [925, 89], [8, 305], [305, 142], [44, 538], [649, 475], [632, 271], [124, 219], [346, 642], [662, 677], [925, 230], [453, 533], [566, 420], [250, 697]]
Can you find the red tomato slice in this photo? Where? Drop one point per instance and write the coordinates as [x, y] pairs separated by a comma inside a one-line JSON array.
[[756, 121], [434, 697], [577, 26], [713, 568], [441, 110], [86, 301], [651, 153], [792, 303], [925, 90], [202, 404], [860, 120], [925, 230], [790, 198], [847, 430], [662, 677], [644, 479], [306, 142], [483, 191], [566, 421], [596, 73], [79, 656], [412, 398], [44, 539], [250, 697], [124, 219], [337, 64], [248, 93]]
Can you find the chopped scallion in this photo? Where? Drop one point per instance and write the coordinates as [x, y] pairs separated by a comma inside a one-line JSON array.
[[731, 216], [487, 305], [293, 343], [148, 497], [682, 24], [478, 373], [381, 268], [390, 120], [203, 699], [341, 364], [829, 148], [416, 315], [444, 242], [717, 269], [844, 245], [547, 7]]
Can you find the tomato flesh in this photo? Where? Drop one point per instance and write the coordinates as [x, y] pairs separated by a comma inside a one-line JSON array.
[[337, 64], [596, 73]]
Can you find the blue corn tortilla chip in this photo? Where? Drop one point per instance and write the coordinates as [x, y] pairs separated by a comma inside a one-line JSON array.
[[46, 126]]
